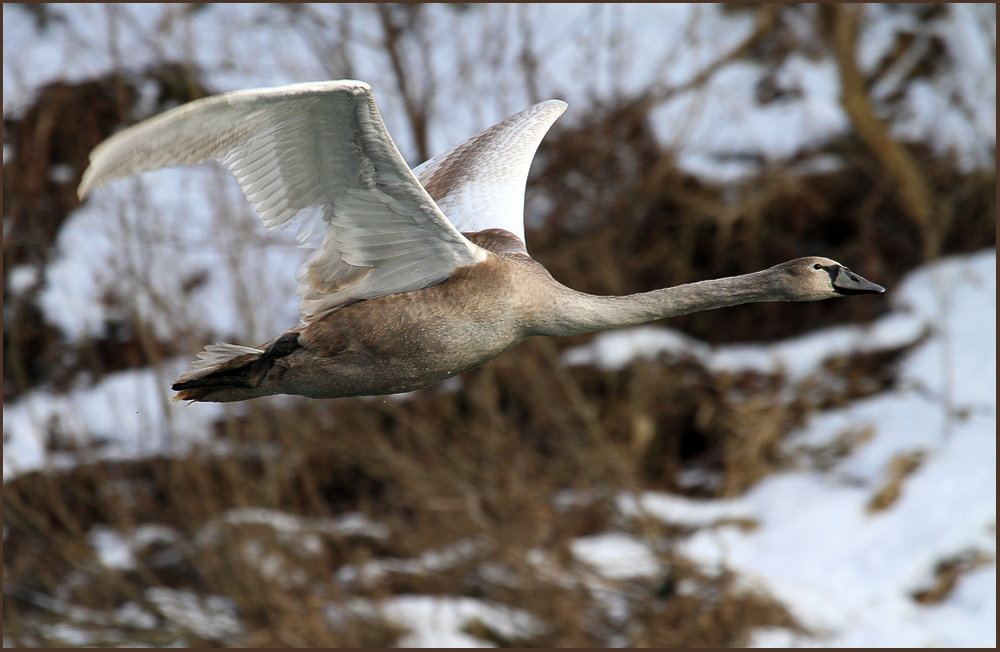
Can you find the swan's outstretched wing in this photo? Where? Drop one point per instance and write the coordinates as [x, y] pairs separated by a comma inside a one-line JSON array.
[[315, 152], [479, 183]]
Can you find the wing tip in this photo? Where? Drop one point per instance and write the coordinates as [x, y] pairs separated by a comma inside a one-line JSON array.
[[561, 105], [93, 177], [552, 108], [328, 86]]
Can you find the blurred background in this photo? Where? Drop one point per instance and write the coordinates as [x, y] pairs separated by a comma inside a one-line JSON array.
[[772, 474]]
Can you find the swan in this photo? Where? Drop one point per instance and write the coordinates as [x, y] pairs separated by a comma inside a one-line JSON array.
[[416, 275]]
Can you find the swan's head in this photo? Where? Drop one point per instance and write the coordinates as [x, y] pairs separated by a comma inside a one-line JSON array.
[[814, 278]]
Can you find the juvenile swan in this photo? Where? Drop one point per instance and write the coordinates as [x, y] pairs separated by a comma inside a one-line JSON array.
[[417, 276]]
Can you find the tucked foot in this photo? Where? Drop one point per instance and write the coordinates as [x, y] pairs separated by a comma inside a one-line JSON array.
[[246, 368], [282, 346]]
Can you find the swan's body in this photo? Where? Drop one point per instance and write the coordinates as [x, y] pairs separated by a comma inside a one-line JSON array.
[[397, 296]]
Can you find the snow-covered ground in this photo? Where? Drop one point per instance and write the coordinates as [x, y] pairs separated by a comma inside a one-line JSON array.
[[845, 571]]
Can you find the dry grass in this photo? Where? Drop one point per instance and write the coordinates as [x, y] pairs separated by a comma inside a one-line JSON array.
[[899, 469], [948, 572], [473, 470]]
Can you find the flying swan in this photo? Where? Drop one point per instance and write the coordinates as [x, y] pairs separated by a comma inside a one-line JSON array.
[[417, 275]]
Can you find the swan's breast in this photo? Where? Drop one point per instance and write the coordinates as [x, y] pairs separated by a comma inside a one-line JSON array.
[[407, 341]]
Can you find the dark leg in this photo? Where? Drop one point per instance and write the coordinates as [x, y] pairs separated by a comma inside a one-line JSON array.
[[282, 346], [250, 374]]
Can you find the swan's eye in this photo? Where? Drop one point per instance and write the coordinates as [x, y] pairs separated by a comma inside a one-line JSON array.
[[817, 266]]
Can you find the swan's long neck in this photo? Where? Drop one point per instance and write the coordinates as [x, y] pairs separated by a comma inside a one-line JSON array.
[[573, 313]]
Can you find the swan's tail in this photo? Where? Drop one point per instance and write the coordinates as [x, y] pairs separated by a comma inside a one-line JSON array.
[[219, 367]]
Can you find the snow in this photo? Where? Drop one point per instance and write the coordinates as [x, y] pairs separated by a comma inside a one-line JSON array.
[[113, 550], [292, 528], [210, 618], [441, 621], [616, 555], [429, 561], [21, 278], [127, 412], [437, 622], [846, 572]]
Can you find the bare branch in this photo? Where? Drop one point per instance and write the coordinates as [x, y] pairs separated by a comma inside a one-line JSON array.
[[909, 186], [416, 114]]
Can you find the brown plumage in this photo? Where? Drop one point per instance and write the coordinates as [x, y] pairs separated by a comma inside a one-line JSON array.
[[395, 298]]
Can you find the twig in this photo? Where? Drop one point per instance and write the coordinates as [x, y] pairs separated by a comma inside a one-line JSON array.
[[416, 114], [909, 186], [766, 20]]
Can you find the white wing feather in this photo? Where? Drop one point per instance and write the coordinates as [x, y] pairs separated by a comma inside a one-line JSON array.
[[317, 153], [479, 183]]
